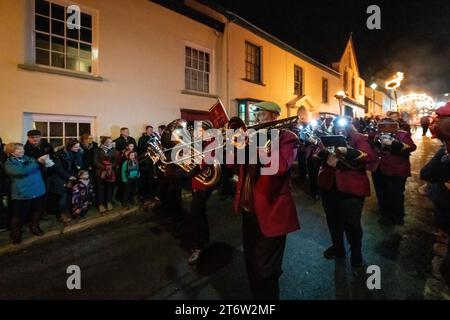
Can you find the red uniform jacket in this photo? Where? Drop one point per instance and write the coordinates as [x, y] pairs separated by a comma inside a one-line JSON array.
[[354, 182], [272, 198], [396, 164]]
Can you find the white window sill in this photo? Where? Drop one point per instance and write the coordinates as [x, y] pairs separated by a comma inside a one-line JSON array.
[[201, 94], [62, 72]]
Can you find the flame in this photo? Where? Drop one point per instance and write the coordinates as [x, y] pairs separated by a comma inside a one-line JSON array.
[[394, 83]]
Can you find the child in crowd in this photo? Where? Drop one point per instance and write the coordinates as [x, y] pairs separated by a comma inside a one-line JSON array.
[[82, 195], [125, 152], [130, 176]]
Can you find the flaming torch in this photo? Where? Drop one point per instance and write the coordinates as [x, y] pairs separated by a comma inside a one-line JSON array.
[[394, 83]]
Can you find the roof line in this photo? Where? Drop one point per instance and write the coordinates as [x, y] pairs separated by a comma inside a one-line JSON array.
[[233, 17]]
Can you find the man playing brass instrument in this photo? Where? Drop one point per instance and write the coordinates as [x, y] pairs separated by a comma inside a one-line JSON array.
[[390, 170], [268, 211], [344, 183]]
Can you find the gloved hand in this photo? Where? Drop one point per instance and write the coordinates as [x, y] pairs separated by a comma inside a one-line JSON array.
[[342, 150]]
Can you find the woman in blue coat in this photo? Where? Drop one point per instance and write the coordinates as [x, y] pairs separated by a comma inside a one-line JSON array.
[[27, 190]]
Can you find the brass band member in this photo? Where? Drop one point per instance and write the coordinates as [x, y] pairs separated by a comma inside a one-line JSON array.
[[345, 185], [390, 171], [268, 211]]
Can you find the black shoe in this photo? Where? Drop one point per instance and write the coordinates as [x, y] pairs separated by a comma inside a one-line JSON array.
[[356, 259], [16, 238], [331, 253], [36, 231]]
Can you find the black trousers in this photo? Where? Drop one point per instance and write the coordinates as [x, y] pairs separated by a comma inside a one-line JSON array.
[[146, 181], [226, 188], [390, 194], [105, 191], [263, 258], [313, 174], [343, 212], [199, 219], [130, 190], [302, 168], [24, 210]]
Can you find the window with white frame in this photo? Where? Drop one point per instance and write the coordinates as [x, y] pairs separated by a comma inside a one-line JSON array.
[[57, 45], [56, 129], [253, 62], [197, 70], [298, 81]]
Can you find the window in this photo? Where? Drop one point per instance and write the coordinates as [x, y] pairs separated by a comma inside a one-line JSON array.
[[253, 63], [360, 88], [56, 129], [324, 90], [245, 111], [298, 81], [353, 87], [58, 46], [197, 70]]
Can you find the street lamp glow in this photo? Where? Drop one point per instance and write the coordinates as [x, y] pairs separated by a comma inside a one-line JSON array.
[[446, 94], [374, 86], [340, 95]]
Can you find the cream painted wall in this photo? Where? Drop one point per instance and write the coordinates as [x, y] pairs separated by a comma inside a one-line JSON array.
[[141, 57], [351, 66], [277, 75]]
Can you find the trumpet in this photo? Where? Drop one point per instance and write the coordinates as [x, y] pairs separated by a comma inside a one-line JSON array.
[[241, 138]]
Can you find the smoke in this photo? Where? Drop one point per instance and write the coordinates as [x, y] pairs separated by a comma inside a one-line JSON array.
[[426, 69]]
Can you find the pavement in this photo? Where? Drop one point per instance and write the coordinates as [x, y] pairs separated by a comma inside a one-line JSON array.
[[138, 255]]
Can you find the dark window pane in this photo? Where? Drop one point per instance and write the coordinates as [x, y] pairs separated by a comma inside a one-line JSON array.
[[86, 20], [71, 129], [86, 35], [72, 63], [72, 48], [85, 128], [42, 7], [56, 129], [42, 127], [58, 60], [58, 27], [42, 57], [56, 142], [58, 44], [42, 41], [187, 79], [85, 65], [85, 51], [42, 24], [58, 12], [73, 34]]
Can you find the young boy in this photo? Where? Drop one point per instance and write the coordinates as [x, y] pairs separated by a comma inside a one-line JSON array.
[[130, 177], [82, 195]]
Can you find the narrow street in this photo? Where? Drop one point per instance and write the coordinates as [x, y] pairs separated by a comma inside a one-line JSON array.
[[138, 258]]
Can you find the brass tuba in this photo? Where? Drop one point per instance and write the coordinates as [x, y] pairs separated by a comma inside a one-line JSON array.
[[170, 149]]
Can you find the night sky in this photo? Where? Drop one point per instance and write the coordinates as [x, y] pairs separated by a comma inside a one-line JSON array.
[[414, 36]]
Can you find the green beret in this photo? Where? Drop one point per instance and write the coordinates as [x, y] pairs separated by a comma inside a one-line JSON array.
[[268, 106]]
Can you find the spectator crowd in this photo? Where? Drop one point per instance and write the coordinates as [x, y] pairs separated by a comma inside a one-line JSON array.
[[67, 181]]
